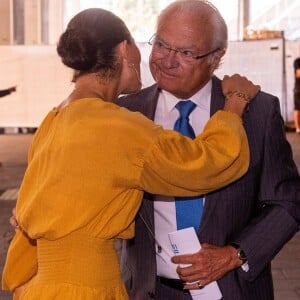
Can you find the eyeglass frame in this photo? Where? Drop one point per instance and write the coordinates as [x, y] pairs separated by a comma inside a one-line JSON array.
[[167, 47]]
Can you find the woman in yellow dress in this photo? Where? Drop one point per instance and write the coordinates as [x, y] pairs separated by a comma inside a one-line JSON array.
[[91, 160]]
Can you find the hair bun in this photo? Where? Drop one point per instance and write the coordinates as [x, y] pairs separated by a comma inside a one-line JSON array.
[[74, 53]]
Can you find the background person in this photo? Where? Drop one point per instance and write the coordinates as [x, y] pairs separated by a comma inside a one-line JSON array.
[[7, 91], [250, 219], [297, 95], [90, 161]]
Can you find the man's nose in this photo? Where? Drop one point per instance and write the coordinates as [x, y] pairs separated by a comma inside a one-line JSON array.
[[171, 58]]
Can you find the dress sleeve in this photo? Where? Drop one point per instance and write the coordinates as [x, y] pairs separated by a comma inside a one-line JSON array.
[[179, 166], [21, 262]]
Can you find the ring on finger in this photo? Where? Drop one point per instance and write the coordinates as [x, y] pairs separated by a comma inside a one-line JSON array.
[[200, 286]]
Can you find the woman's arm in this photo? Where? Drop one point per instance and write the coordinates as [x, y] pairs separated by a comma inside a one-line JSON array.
[[21, 262]]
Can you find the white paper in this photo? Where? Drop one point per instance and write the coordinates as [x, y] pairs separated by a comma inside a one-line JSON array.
[[185, 241]]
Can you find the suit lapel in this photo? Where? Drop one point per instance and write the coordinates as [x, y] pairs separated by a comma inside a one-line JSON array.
[[150, 101], [217, 103], [149, 107], [217, 97]]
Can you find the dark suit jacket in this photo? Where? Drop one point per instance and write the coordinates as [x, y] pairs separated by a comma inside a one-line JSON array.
[[260, 211]]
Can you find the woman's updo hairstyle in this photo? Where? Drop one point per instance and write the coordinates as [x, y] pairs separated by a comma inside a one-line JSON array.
[[88, 44]]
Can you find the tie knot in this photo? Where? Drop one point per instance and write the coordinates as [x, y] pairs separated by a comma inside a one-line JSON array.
[[185, 108]]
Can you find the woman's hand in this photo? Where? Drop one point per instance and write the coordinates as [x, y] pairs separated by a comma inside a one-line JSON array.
[[18, 291], [239, 91], [13, 220], [238, 83]]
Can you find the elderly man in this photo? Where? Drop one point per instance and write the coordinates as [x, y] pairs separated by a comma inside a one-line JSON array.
[[241, 227]]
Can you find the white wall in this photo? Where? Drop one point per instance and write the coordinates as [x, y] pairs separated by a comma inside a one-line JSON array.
[[43, 82]]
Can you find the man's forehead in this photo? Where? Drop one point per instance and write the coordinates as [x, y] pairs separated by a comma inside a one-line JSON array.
[[193, 22], [190, 33]]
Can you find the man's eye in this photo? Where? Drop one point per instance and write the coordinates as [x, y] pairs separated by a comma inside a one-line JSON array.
[[159, 44], [187, 53]]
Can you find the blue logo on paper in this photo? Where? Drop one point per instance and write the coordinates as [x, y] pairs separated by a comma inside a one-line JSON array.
[[175, 249]]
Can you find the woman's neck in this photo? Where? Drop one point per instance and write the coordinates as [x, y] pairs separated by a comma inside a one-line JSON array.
[[90, 86]]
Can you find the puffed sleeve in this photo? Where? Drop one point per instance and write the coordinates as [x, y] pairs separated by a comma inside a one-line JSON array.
[[21, 262], [176, 165]]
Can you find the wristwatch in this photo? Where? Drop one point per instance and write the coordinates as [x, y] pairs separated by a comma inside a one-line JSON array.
[[239, 252]]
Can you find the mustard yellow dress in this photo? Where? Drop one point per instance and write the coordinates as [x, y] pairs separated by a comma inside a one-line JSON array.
[[88, 166]]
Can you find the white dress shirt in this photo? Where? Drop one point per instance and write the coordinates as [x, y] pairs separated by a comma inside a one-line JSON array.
[[164, 211]]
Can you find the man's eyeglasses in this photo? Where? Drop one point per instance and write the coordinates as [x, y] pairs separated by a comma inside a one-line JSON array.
[[163, 49]]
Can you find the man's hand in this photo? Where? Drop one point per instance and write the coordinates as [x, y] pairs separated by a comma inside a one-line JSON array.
[[209, 264], [13, 221]]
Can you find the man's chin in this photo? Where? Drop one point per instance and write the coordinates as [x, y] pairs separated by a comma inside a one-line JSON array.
[[172, 88], [168, 85]]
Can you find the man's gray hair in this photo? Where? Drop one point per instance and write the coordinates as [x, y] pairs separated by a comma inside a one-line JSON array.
[[208, 12]]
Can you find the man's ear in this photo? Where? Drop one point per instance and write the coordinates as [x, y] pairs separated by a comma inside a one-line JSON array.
[[123, 50], [221, 52], [217, 58]]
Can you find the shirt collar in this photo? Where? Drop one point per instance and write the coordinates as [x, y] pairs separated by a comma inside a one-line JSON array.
[[201, 98]]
